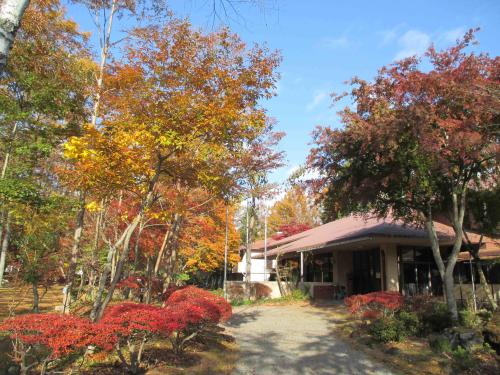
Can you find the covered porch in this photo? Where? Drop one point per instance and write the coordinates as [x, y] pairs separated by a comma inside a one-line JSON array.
[[360, 266]]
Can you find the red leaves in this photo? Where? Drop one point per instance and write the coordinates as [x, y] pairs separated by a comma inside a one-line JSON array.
[[188, 309], [129, 318], [416, 133], [287, 230], [62, 334], [214, 308], [371, 302]]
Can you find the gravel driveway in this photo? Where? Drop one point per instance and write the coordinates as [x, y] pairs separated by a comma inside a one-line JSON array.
[[294, 340]]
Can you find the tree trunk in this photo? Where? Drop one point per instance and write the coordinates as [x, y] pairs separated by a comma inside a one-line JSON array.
[[166, 239], [102, 283], [485, 286], [75, 252], [5, 247], [137, 247], [171, 264], [11, 13], [119, 267], [436, 252], [95, 249], [446, 271], [149, 280], [36, 297], [169, 240], [5, 217], [474, 253], [278, 276], [250, 226], [451, 301], [99, 307]]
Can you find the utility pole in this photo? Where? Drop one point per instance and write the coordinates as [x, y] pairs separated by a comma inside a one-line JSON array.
[[265, 244], [247, 245], [225, 252]]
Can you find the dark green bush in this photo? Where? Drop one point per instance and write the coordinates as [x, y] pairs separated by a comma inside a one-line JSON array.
[[388, 329], [436, 318], [462, 359], [440, 344], [410, 321]]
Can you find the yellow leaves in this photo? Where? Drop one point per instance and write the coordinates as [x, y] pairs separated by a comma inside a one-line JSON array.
[[93, 206]]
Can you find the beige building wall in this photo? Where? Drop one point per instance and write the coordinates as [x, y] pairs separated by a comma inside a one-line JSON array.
[[391, 266]]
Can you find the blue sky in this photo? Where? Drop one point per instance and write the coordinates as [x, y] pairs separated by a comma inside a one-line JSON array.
[[326, 42]]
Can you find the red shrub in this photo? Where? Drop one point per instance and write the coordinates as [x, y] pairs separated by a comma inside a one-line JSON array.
[[171, 289], [61, 334], [131, 324], [216, 308], [192, 310], [188, 312], [374, 301], [128, 318], [371, 314]]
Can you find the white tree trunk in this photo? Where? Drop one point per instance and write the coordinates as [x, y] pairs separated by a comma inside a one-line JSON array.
[[5, 247], [11, 12]]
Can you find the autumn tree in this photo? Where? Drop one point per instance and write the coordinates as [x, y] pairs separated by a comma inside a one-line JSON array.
[[104, 14], [415, 142], [295, 208], [202, 241], [183, 107], [43, 99]]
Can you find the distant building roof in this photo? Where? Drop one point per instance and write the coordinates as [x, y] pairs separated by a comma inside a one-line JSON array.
[[359, 227]]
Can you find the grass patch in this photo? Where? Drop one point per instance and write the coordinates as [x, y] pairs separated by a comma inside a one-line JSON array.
[[19, 300], [297, 296]]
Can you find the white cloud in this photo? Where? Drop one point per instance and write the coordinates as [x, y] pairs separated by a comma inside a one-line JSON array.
[[451, 36], [292, 170], [388, 36], [415, 42], [412, 42], [339, 42], [317, 99]]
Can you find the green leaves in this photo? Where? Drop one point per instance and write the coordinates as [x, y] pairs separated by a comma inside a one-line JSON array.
[[14, 190]]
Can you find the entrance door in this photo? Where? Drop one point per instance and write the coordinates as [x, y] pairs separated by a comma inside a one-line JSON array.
[[366, 271]]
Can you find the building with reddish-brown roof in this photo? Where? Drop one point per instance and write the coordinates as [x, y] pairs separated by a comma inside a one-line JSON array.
[[360, 254]]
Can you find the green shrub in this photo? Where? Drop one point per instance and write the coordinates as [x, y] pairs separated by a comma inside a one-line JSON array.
[[462, 359], [469, 319], [218, 292], [395, 328], [388, 329], [410, 321], [241, 302], [440, 344], [299, 294], [492, 330], [436, 318]]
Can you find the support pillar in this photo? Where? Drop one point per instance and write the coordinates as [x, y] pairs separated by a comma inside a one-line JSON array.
[[302, 266]]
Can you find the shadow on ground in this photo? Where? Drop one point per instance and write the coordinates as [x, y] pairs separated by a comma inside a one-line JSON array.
[[295, 340]]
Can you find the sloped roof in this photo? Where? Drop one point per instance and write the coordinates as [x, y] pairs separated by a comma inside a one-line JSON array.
[[355, 227], [489, 250]]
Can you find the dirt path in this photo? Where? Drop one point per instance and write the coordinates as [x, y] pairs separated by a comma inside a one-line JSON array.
[[294, 340]]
